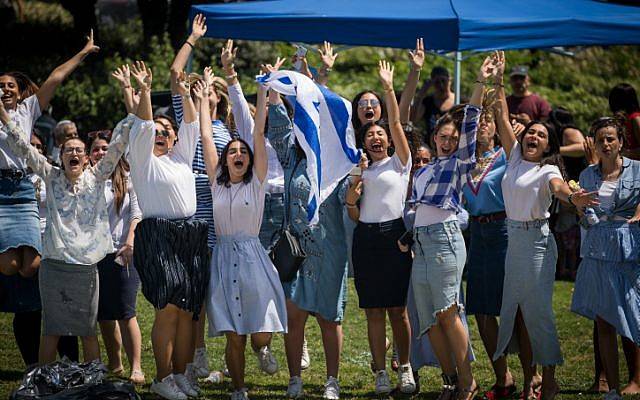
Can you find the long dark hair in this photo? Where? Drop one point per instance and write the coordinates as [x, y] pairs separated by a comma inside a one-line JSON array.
[[623, 97], [25, 85], [552, 155], [224, 178], [363, 131], [120, 175], [354, 108]]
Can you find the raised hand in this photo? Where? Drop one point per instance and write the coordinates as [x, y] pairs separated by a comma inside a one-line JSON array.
[[200, 89], [416, 57], [208, 76], [142, 74], [305, 65], [518, 128], [269, 68], [590, 151], [489, 67], [123, 75], [327, 56], [228, 55], [386, 74], [90, 47], [199, 26], [499, 63]]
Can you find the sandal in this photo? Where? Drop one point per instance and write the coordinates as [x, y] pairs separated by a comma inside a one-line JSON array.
[[137, 377], [535, 395], [449, 387], [117, 372], [468, 393], [500, 392]]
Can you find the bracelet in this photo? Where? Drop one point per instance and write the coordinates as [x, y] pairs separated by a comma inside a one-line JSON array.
[[498, 84], [481, 82], [351, 205], [232, 76], [570, 199], [390, 89], [189, 43], [127, 87]]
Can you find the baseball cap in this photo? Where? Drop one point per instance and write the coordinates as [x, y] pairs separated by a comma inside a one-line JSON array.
[[519, 70]]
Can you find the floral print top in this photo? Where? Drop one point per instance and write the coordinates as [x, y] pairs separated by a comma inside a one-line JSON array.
[[77, 230]]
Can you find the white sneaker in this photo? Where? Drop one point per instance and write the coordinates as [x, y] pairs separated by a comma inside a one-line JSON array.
[[612, 395], [183, 384], [305, 361], [192, 377], [383, 383], [294, 391], [241, 394], [201, 362], [215, 377], [225, 371], [405, 379], [267, 362], [331, 389], [167, 389]]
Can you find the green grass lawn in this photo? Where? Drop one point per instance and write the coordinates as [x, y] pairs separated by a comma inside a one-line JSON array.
[[355, 377]]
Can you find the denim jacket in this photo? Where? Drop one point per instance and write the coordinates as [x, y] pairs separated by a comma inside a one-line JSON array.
[[627, 194]]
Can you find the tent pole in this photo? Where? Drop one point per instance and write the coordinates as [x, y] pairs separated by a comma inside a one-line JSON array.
[[457, 72]]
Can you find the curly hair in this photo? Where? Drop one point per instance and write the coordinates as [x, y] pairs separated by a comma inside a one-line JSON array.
[[224, 178]]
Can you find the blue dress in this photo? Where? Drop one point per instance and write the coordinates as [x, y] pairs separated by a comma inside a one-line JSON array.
[[608, 280], [321, 285]]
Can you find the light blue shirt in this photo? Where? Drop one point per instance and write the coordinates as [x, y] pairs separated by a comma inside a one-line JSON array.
[[483, 195]]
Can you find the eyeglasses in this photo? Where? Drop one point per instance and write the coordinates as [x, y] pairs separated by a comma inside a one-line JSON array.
[[363, 103], [163, 133], [72, 150]]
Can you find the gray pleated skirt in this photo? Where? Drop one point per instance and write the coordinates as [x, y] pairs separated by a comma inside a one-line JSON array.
[[69, 294]]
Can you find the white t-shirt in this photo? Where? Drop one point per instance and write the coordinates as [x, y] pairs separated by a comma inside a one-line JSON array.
[[606, 194], [525, 187], [428, 215], [165, 185], [25, 115], [384, 192]]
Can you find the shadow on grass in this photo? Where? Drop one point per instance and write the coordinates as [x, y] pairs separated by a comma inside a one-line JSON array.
[[10, 375]]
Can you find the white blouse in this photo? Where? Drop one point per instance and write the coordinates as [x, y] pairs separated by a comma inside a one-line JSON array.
[[77, 230], [165, 185], [25, 115]]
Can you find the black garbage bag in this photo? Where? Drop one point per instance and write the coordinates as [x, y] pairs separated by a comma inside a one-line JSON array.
[[60, 380]]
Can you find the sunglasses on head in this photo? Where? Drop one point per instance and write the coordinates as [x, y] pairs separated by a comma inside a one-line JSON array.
[[363, 103], [104, 134]]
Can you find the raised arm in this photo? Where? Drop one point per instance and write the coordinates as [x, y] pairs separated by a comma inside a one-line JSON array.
[[209, 151], [48, 88], [328, 58], [198, 29], [573, 143], [143, 76], [122, 74], [280, 128], [416, 59], [503, 125], [188, 106], [119, 141], [17, 142], [395, 126], [259, 145]]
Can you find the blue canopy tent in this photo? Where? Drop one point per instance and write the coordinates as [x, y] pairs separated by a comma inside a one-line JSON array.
[[446, 25]]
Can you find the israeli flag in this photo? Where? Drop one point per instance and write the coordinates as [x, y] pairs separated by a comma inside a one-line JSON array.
[[322, 125]]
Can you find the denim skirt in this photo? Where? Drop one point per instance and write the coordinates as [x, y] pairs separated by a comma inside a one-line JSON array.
[[436, 275], [485, 267], [529, 275], [19, 218]]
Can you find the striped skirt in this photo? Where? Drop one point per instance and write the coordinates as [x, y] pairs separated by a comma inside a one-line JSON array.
[[172, 259]]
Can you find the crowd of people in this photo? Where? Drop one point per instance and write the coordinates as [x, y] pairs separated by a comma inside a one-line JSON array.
[[186, 205]]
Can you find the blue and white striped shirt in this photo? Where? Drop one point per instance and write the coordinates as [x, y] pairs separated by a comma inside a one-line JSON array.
[[440, 182], [221, 137]]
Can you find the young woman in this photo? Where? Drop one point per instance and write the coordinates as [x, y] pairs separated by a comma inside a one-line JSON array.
[[220, 109], [76, 236], [321, 284], [245, 294], [606, 288], [533, 167], [488, 247], [119, 281], [381, 270], [171, 250], [624, 99], [20, 242]]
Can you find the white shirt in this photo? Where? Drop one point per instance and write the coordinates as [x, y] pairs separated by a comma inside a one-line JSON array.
[[77, 230], [384, 192], [119, 222], [606, 194], [525, 187], [244, 126], [238, 208], [428, 215], [25, 115], [165, 185]]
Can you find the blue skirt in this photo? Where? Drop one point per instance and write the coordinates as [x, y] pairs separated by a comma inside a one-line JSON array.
[[19, 218], [608, 280]]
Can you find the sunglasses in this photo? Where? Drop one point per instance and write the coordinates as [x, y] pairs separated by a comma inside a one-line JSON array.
[[74, 150], [163, 133], [363, 103], [104, 134]]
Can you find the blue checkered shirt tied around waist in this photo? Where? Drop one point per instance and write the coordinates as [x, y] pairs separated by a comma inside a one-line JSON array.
[[440, 182]]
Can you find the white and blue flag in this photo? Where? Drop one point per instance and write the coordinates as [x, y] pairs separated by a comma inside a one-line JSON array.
[[322, 125]]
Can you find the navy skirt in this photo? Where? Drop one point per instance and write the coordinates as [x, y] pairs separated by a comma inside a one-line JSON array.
[[118, 290]]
